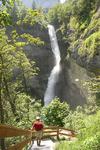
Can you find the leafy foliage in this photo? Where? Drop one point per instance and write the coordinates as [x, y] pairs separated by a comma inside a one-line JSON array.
[[92, 143], [88, 136], [77, 22], [55, 112], [31, 17], [91, 45], [14, 61], [11, 58], [15, 103], [4, 2], [30, 40], [75, 121]]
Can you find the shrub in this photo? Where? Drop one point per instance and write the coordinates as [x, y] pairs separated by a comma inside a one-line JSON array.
[[92, 143], [88, 137], [55, 112]]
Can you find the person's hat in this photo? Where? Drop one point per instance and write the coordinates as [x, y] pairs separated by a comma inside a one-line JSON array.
[[37, 118]]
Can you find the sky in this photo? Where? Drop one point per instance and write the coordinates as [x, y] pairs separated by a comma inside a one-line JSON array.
[[28, 3], [45, 3]]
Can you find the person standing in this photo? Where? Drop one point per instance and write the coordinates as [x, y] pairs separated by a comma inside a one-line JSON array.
[[38, 127]]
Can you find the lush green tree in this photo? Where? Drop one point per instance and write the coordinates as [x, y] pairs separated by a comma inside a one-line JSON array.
[[4, 2], [6, 56], [5, 9], [55, 112], [12, 57], [13, 60], [31, 17], [5, 18], [27, 109]]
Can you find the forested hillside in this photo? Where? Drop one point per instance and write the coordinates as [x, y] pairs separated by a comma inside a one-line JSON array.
[[78, 28], [78, 24], [26, 61]]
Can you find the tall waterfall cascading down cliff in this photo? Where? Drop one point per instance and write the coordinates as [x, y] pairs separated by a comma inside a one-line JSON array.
[[54, 76]]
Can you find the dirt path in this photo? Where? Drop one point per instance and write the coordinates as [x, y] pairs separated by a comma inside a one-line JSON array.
[[45, 145]]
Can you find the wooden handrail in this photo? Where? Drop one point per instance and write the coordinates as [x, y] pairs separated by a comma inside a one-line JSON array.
[[59, 130], [51, 131], [20, 145], [9, 131], [67, 129], [51, 127]]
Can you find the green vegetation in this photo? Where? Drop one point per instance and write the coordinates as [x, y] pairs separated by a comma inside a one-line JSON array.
[[12, 59], [55, 113], [91, 45], [84, 120], [78, 24], [88, 133], [15, 101]]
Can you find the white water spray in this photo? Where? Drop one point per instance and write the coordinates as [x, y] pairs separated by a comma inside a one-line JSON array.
[[53, 78]]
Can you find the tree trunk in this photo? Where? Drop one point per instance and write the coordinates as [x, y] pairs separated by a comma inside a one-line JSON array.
[[1, 109], [2, 141]]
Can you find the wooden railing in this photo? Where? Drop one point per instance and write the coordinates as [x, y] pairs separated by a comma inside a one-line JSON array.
[[8, 131], [57, 131]]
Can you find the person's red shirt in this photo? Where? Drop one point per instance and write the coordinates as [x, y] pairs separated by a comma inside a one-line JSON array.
[[38, 125]]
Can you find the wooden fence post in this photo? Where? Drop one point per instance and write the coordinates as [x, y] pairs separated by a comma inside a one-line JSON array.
[[2, 143], [57, 133]]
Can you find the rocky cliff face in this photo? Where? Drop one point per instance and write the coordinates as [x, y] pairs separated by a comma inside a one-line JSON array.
[[92, 65], [70, 85], [43, 57], [79, 36]]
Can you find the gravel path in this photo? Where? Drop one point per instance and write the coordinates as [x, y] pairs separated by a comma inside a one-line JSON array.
[[45, 145]]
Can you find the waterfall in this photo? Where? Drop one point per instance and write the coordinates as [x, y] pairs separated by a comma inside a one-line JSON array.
[[54, 75]]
